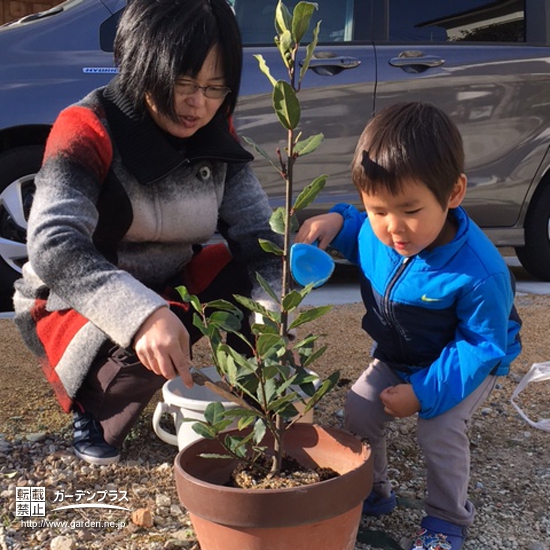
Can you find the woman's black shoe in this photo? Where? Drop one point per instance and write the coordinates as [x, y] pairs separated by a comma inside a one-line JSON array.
[[88, 442]]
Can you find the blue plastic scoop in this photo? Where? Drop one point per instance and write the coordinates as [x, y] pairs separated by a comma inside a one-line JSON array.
[[309, 264]]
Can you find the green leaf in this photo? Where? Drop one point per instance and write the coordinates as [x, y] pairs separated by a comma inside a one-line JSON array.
[[292, 300], [277, 221], [256, 307], [270, 247], [204, 431], [280, 404], [270, 391], [306, 290], [226, 364], [267, 344], [261, 151], [309, 315], [183, 292], [198, 322], [215, 455], [261, 328], [307, 342], [247, 364], [285, 44], [214, 412], [225, 305], [307, 387], [307, 146], [283, 18], [259, 430], [314, 356], [322, 390], [186, 297], [287, 411], [301, 17], [282, 387], [268, 288], [286, 105], [265, 69], [225, 321], [236, 444], [245, 422], [310, 50], [310, 192], [237, 412]]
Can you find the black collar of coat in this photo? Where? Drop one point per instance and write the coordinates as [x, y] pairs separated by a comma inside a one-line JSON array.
[[150, 154]]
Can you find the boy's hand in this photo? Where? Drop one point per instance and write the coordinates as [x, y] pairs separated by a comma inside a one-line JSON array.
[[321, 228], [400, 401]]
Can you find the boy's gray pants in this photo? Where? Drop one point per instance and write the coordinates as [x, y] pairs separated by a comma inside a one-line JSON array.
[[443, 439]]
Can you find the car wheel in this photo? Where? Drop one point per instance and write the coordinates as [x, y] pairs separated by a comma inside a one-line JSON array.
[[535, 255], [17, 170]]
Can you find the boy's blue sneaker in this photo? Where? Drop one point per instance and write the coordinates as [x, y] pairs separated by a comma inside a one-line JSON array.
[[376, 505], [437, 534]]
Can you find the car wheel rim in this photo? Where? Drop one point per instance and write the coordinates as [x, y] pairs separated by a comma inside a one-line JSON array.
[[15, 204]]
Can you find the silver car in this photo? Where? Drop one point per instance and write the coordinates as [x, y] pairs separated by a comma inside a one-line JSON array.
[[485, 62]]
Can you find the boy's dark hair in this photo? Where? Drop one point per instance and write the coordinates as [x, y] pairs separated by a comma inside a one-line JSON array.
[[160, 40], [409, 140]]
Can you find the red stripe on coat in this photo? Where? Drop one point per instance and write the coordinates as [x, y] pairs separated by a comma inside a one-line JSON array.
[[205, 266], [78, 133], [56, 330]]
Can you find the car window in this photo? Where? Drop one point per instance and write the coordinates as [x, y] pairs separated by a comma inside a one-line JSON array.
[[107, 31], [256, 20], [455, 21]]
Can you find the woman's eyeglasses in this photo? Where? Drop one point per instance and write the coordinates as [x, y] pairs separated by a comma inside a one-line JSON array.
[[212, 92]]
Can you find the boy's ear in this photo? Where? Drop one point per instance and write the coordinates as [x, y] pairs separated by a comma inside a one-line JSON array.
[[459, 190]]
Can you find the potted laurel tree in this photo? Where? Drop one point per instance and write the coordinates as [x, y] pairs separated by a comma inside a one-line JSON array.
[[261, 484]]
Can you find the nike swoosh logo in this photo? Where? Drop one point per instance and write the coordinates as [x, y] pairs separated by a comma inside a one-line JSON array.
[[426, 299]]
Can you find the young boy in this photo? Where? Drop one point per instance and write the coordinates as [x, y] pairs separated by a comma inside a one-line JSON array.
[[439, 306]]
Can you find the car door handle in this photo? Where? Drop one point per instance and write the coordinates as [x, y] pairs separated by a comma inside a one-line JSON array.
[[415, 62], [328, 64]]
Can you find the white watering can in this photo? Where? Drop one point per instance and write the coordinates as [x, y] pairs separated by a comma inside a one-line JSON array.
[[190, 403]]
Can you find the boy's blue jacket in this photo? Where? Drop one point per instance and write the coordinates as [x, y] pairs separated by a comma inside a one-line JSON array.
[[443, 319]]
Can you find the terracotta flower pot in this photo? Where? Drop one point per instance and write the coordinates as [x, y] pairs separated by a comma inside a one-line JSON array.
[[322, 515]]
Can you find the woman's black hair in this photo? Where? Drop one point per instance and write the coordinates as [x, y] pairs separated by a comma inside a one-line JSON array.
[[412, 140], [160, 40]]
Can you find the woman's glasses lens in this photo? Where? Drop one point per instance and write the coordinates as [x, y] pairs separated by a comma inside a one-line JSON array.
[[212, 92]]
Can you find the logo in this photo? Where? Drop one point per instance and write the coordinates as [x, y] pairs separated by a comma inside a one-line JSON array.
[[99, 70], [31, 501], [426, 299]]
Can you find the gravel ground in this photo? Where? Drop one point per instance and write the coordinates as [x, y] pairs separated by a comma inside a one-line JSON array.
[[510, 481]]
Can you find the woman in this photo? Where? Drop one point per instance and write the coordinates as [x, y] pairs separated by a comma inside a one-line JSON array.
[[134, 177]]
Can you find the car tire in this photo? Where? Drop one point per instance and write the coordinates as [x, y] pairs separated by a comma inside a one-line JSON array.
[[535, 254], [17, 169]]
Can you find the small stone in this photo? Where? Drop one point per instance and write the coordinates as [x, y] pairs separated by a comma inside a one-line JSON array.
[[35, 437], [163, 501], [175, 510], [142, 517], [159, 521], [183, 534], [63, 543]]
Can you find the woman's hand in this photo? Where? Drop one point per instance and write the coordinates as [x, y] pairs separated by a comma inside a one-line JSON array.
[[321, 228], [162, 345], [400, 401]]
